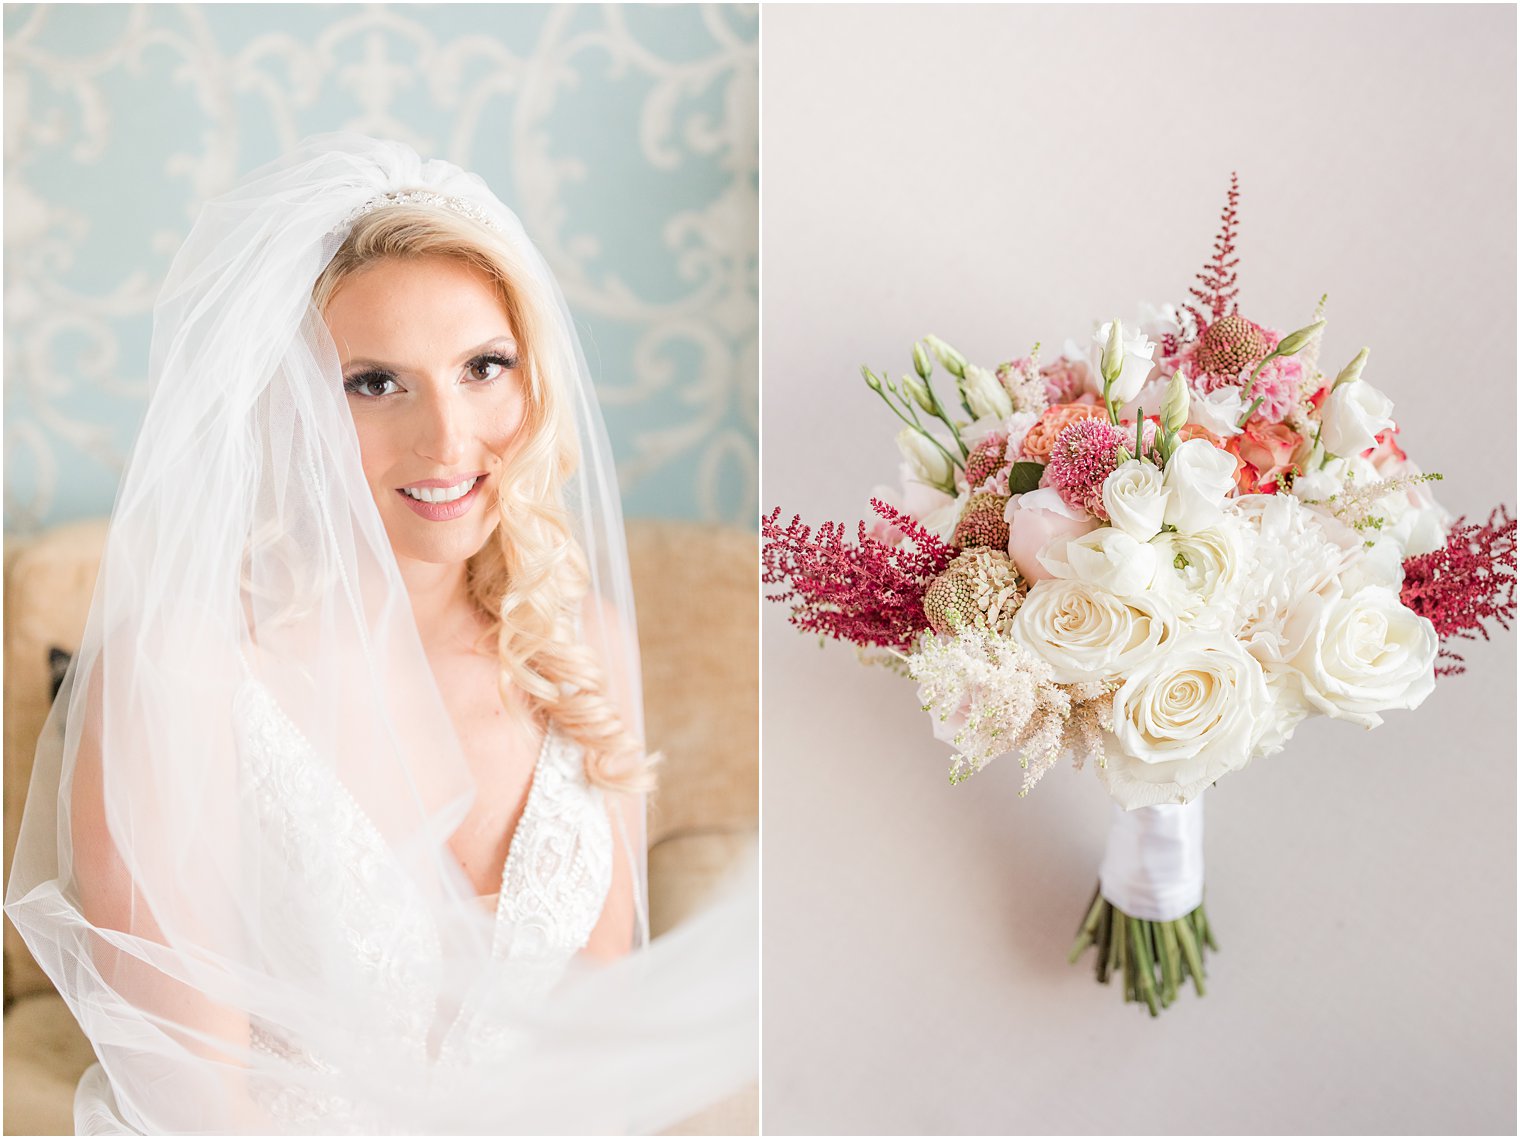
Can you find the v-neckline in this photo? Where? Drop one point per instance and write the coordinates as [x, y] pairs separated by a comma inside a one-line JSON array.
[[535, 781]]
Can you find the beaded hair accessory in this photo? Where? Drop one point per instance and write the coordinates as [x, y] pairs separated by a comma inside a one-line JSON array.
[[461, 206]]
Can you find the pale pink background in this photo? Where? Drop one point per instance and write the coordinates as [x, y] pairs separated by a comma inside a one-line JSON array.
[[1000, 175]]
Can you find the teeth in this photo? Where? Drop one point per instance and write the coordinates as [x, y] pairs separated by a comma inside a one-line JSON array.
[[440, 493]]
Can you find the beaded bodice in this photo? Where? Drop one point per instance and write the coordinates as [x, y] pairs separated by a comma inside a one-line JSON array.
[[326, 865]]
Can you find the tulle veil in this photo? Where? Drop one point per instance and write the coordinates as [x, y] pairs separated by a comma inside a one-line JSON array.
[[245, 555]]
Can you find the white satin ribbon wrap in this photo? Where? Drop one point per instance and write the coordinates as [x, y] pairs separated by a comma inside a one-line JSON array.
[[1153, 865]]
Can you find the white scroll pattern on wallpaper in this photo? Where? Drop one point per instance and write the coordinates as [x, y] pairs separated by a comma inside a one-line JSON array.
[[120, 122]]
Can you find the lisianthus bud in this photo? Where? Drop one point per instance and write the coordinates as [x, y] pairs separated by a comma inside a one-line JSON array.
[[1295, 341], [952, 361], [927, 461], [918, 392], [986, 396], [872, 380], [1174, 410], [921, 361], [1352, 371], [1113, 353]]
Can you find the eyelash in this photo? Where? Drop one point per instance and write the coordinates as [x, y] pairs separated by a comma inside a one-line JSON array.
[[355, 385]]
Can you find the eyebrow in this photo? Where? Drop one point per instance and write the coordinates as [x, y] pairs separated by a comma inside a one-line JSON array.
[[503, 344]]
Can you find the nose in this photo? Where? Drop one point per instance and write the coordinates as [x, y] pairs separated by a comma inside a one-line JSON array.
[[442, 427]]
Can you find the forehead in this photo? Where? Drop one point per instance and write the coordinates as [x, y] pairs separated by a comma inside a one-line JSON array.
[[405, 311]]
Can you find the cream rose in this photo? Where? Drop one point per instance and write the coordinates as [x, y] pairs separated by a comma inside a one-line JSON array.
[[1039, 521], [1182, 719], [1363, 653], [1198, 476], [1086, 634], [1353, 416], [1135, 497]]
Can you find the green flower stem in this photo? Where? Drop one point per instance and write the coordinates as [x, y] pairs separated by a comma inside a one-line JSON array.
[[919, 427], [1154, 958]]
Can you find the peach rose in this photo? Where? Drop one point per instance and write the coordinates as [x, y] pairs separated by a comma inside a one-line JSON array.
[[1042, 436], [1264, 451]]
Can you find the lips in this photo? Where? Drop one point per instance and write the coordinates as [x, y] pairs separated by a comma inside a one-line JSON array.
[[439, 500]]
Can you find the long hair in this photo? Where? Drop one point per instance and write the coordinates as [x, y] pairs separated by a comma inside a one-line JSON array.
[[530, 579]]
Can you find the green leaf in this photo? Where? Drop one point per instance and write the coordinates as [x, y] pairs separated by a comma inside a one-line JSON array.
[[1025, 477]]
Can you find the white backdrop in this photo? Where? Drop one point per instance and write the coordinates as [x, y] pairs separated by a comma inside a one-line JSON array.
[[1001, 175]]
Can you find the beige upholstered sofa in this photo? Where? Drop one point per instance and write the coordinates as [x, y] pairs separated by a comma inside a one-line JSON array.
[[696, 589]]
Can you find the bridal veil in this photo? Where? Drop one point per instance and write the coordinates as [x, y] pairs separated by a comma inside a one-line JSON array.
[[245, 568]]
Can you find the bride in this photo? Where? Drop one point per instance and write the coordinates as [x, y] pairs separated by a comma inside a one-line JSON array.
[[338, 823]]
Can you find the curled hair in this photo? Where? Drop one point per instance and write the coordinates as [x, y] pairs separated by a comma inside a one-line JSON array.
[[530, 580]]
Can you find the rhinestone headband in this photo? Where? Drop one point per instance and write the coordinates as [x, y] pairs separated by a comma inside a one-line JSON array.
[[461, 206]]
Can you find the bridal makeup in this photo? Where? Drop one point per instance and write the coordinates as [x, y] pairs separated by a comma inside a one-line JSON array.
[[433, 380]]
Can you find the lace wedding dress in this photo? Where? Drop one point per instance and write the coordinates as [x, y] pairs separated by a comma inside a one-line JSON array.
[[326, 860]]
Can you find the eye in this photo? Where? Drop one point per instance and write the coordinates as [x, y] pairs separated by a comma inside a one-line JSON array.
[[488, 368], [371, 385]]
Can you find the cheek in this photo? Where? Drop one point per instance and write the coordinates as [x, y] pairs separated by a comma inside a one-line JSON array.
[[376, 447]]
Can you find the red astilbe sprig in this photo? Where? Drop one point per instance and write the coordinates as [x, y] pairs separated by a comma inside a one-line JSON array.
[[865, 592], [1218, 277], [1466, 582]]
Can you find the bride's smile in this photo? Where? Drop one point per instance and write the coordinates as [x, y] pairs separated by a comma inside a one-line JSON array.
[[436, 388]]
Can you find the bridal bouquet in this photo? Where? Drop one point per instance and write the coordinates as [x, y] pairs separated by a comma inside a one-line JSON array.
[[1156, 555]]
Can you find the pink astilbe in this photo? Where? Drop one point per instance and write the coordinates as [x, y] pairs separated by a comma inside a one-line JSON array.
[[1218, 277], [1082, 457], [866, 592], [1466, 582]]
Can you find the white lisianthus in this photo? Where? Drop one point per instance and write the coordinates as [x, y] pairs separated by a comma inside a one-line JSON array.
[[1167, 320], [1135, 497], [1182, 719], [1353, 416], [1086, 634], [1218, 411], [928, 463], [986, 395], [1138, 351], [1198, 476], [1204, 572], [1107, 559], [932, 508], [1363, 653]]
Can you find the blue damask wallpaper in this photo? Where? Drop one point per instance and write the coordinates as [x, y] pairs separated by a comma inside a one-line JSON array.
[[624, 136]]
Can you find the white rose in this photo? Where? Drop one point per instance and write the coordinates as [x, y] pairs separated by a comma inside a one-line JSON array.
[[1364, 653], [1182, 719], [1085, 634], [1199, 476], [927, 461], [1039, 521], [1138, 362], [1353, 415], [987, 397], [1135, 497], [1217, 411], [1204, 572], [1107, 559]]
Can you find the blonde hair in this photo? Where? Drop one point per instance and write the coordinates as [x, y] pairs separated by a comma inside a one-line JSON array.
[[530, 579]]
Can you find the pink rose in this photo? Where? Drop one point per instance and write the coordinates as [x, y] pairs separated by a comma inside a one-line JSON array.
[[1386, 455], [1040, 522], [1266, 451]]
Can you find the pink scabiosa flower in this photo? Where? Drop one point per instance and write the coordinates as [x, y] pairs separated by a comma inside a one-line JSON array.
[[1084, 454]]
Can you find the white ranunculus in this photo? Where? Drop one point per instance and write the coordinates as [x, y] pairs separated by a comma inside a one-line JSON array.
[[987, 397], [1199, 476], [1107, 559], [1182, 719], [927, 461], [1138, 361], [1135, 497], [1040, 521], [1086, 634], [1204, 572], [1217, 411], [1363, 653], [1352, 417]]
